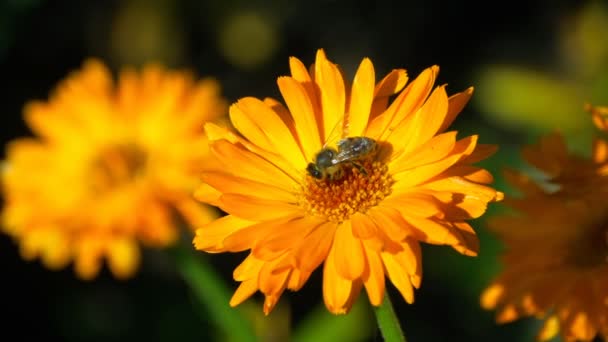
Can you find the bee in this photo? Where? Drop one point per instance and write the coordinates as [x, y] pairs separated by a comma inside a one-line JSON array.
[[330, 163]]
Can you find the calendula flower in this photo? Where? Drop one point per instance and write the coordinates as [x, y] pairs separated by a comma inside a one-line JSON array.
[[296, 198], [599, 115], [556, 244], [112, 165]]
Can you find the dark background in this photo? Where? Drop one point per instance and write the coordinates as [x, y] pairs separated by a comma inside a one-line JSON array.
[[246, 45]]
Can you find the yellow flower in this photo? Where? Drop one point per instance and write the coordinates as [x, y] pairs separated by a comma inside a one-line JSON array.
[[413, 182], [112, 166], [555, 259]]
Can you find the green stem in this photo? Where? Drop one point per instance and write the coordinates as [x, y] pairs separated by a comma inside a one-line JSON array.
[[211, 293], [388, 321]]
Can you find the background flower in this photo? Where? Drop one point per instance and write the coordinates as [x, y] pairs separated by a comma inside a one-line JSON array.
[[555, 259], [112, 166]]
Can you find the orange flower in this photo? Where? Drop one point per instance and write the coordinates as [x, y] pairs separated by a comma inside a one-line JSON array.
[[111, 166], [555, 262], [599, 116], [360, 207]]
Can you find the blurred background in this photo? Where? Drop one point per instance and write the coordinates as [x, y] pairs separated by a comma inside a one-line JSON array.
[[533, 64]]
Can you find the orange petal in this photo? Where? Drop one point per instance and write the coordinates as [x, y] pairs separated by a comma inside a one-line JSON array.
[[415, 204], [257, 209], [248, 269], [406, 103], [392, 83], [549, 330], [433, 150], [210, 237], [249, 236], [315, 247], [456, 104], [297, 279], [409, 178], [271, 281], [225, 183], [333, 94], [348, 251], [251, 165], [373, 278], [362, 95], [286, 237], [424, 123], [398, 275], [336, 290], [301, 108], [258, 116], [244, 291]]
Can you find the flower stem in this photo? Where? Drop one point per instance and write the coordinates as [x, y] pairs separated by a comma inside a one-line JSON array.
[[211, 293], [388, 321]]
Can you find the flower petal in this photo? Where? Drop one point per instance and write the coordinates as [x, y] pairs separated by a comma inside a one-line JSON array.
[[336, 290], [301, 108], [333, 94], [256, 116], [361, 98], [211, 236], [348, 252], [421, 126], [373, 278], [315, 247], [456, 104]]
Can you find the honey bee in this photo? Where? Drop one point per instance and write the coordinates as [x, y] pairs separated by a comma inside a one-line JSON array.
[[330, 163]]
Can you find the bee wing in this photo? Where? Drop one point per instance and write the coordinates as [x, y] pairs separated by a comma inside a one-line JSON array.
[[339, 130], [345, 153]]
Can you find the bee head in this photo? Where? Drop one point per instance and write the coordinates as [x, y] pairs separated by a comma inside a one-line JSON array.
[[314, 171]]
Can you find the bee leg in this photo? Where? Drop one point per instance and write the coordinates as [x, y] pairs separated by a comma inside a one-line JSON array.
[[361, 169]]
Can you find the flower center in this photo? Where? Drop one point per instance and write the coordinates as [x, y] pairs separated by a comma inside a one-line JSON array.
[[116, 166], [591, 248], [355, 191]]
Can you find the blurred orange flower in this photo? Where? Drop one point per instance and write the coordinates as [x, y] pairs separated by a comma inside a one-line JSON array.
[[112, 166], [343, 177], [555, 262]]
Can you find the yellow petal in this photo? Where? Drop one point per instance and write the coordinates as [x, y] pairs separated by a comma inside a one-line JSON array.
[[361, 98], [348, 251]]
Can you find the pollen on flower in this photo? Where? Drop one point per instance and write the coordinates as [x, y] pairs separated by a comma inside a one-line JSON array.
[[117, 165], [337, 200]]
